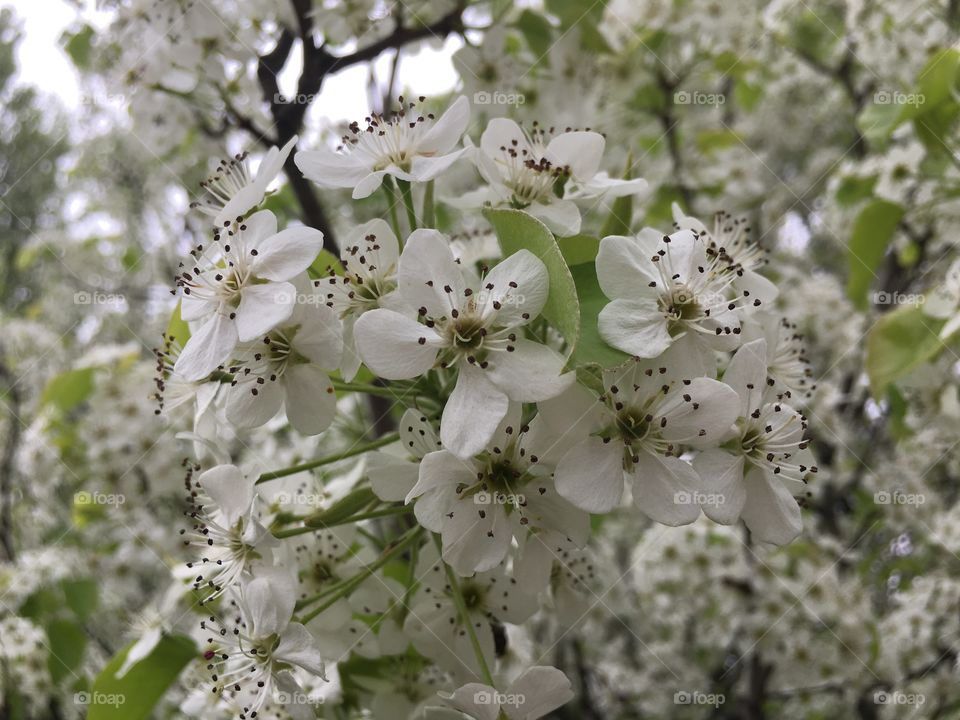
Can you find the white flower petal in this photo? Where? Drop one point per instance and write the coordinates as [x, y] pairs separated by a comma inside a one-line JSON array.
[[447, 130], [590, 475], [635, 326], [427, 269], [208, 348], [703, 420], [262, 308], [298, 647], [747, 375], [368, 185], [561, 216], [310, 401], [472, 413], [520, 286], [390, 344], [722, 476], [320, 336], [246, 409], [543, 690], [331, 169], [531, 373], [666, 489], [624, 267], [286, 254], [580, 150], [771, 512]]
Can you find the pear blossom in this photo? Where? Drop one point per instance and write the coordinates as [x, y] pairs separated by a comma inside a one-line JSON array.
[[289, 367], [435, 627], [231, 192], [476, 328], [409, 144], [237, 289], [225, 528], [370, 256], [764, 462], [538, 691], [479, 505], [544, 171], [639, 429], [392, 477], [730, 240], [670, 290], [253, 654]]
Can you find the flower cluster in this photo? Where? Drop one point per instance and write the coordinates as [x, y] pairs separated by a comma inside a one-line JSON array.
[[506, 443]]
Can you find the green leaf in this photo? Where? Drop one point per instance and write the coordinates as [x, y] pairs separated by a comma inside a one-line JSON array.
[[935, 83], [877, 122], [853, 189], [591, 349], [68, 389], [81, 596], [79, 46], [177, 328], [133, 696], [578, 249], [576, 12], [900, 341], [537, 30], [343, 509], [518, 231], [325, 261], [872, 231], [67, 641]]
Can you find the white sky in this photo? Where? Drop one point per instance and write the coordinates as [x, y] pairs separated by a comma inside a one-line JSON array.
[[43, 62]]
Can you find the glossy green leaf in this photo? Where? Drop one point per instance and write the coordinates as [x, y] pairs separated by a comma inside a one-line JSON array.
[[177, 328], [578, 249], [66, 641], [133, 696], [872, 232], [900, 341], [68, 389], [591, 348], [516, 230]]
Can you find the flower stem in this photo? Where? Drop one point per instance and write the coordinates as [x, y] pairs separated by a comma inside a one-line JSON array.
[[429, 211], [411, 536], [392, 201], [328, 459], [382, 391], [465, 619], [373, 514], [407, 193]]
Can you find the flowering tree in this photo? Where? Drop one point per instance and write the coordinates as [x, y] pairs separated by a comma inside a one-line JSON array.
[[617, 381]]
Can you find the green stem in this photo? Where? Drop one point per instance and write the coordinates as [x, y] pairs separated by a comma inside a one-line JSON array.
[[429, 211], [341, 386], [411, 536], [328, 459], [407, 193], [392, 201], [465, 619], [372, 515]]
